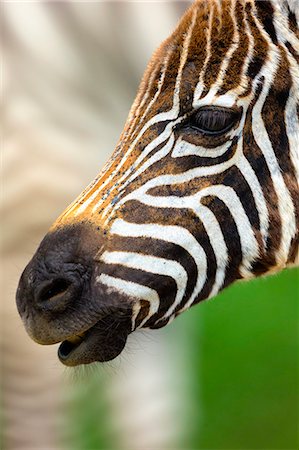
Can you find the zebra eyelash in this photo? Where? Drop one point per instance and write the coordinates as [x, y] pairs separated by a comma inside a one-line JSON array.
[[211, 121]]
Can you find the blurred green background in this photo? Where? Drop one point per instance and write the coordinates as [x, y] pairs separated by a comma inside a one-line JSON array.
[[243, 388], [224, 375]]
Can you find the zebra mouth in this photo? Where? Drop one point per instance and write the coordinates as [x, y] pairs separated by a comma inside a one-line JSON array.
[[70, 345], [102, 342]]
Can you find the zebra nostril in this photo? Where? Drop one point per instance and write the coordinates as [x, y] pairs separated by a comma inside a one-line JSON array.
[[55, 294], [52, 289]]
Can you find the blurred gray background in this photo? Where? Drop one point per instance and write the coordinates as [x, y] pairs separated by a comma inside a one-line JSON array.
[[70, 72]]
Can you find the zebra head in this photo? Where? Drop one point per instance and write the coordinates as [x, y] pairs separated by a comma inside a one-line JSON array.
[[202, 189]]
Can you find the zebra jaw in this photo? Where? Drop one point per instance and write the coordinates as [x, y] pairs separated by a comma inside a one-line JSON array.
[[90, 346]]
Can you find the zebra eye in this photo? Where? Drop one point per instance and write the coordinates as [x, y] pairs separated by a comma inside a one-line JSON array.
[[213, 121]]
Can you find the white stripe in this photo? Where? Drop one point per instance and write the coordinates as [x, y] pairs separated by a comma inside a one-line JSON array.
[[133, 290], [151, 264], [133, 116], [160, 84], [229, 197], [200, 85], [243, 84], [281, 24], [257, 193], [249, 245], [156, 157], [285, 204], [218, 244], [234, 45], [179, 178], [168, 115], [183, 148], [168, 233], [292, 125]]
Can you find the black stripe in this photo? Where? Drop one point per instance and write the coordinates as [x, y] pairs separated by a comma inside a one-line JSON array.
[[164, 285], [146, 175], [235, 179], [259, 165], [259, 53], [188, 162], [273, 114], [143, 312], [136, 212], [292, 51], [293, 249], [160, 249], [293, 22], [265, 12], [230, 234], [232, 77]]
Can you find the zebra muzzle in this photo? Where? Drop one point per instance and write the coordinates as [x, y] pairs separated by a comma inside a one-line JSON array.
[[59, 299]]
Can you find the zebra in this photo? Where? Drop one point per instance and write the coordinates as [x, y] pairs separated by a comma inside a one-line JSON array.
[[201, 190]]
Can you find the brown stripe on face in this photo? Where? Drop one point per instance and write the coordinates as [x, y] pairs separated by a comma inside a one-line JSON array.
[[160, 249], [175, 166], [230, 235], [265, 13], [191, 187], [145, 176], [136, 212], [273, 114], [260, 49], [141, 146], [188, 188], [221, 39], [189, 81], [158, 105], [168, 56], [233, 73], [196, 57], [147, 88], [128, 169]]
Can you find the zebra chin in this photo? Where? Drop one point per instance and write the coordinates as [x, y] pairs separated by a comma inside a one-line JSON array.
[[60, 299]]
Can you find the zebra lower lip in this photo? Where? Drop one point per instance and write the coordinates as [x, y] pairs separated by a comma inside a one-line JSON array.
[[103, 342], [69, 346]]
